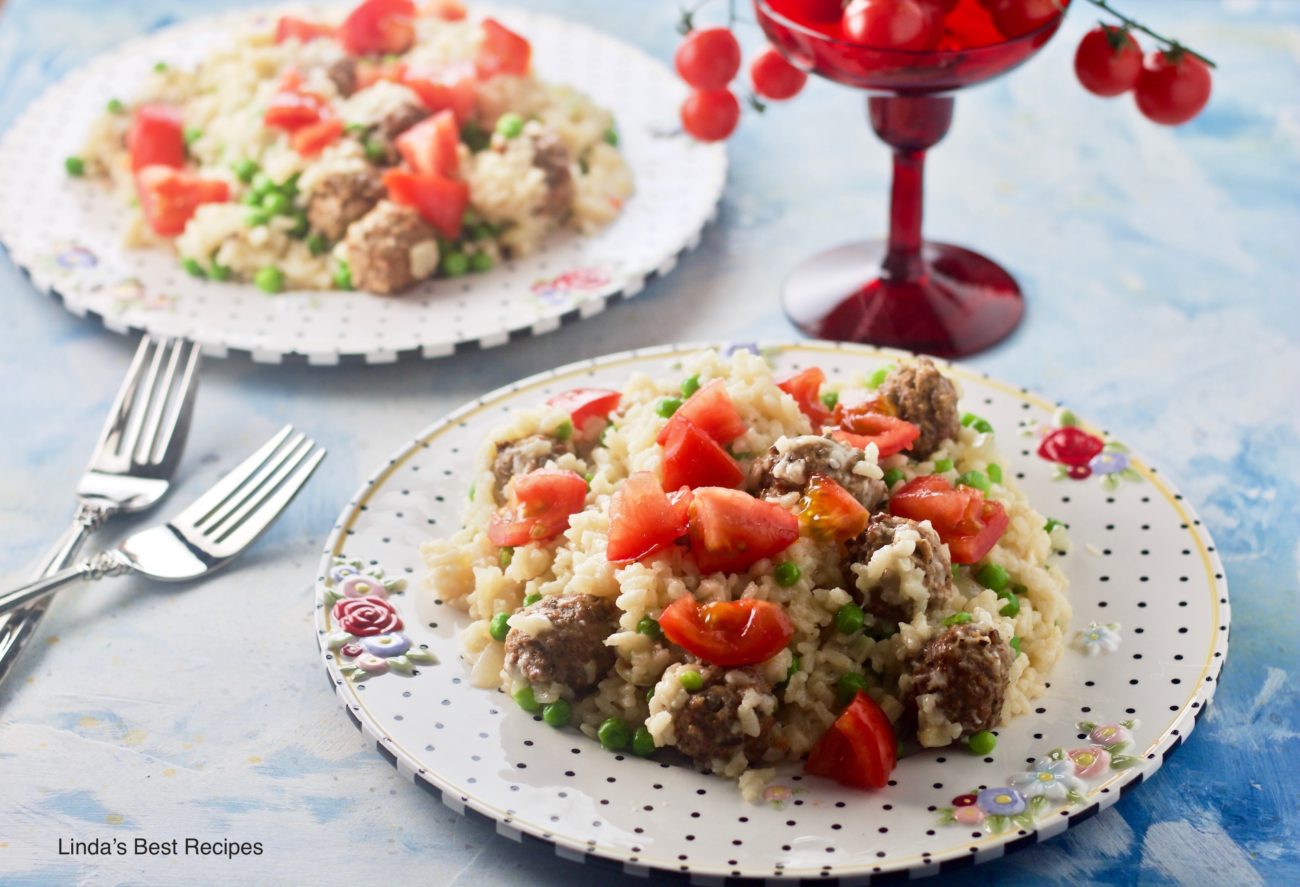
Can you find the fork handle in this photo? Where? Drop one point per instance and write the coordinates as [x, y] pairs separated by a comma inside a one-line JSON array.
[[107, 563]]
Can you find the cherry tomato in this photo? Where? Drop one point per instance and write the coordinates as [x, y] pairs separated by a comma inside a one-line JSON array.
[[818, 11], [440, 201], [970, 524], [1172, 89], [709, 58], [1016, 17], [310, 140], [731, 531], [805, 387], [893, 24], [169, 196], [1108, 61], [829, 512], [693, 459], [711, 410], [710, 115], [156, 137], [859, 749], [727, 633], [586, 405], [1070, 446], [540, 506], [643, 519], [292, 28], [775, 78], [501, 52], [429, 147], [379, 27]]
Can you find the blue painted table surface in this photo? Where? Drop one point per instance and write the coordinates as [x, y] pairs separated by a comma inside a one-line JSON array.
[[1161, 269]]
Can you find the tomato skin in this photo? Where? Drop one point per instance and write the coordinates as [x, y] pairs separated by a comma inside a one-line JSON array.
[[970, 546], [379, 27], [710, 115], [169, 197], [310, 140], [859, 749], [292, 28], [970, 524], [1172, 91], [440, 201], [893, 24], [447, 10], [731, 530], [156, 137], [1016, 17], [1070, 445], [501, 52], [712, 411], [708, 58], [889, 433], [454, 88], [693, 459], [727, 633], [585, 405], [775, 78], [540, 506], [829, 512], [429, 147], [1102, 68], [291, 110], [805, 387], [642, 520]]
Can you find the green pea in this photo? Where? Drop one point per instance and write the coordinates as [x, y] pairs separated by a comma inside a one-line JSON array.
[[643, 744], [245, 170], [481, 262], [1052, 524], [455, 263], [525, 699], [690, 680], [499, 627], [510, 125], [355, 129], [316, 244], [262, 184], [251, 198], [995, 473], [690, 386], [588, 478], [794, 666], [471, 490], [982, 743], [343, 281], [667, 406], [1015, 644], [505, 556], [257, 217], [191, 135], [557, 713], [75, 166], [269, 279], [649, 627], [992, 576], [219, 272], [376, 150], [893, 476], [274, 202], [1012, 605], [958, 619], [159, 67], [482, 231], [849, 618], [830, 399], [290, 186], [564, 430], [611, 137], [849, 685], [942, 465], [115, 106], [974, 479], [649, 694], [300, 225], [531, 599], [982, 426], [193, 268], [787, 574], [876, 379], [614, 734]]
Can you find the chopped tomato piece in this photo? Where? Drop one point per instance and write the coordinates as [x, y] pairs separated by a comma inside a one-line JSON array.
[[642, 519], [452, 88], [156, 137], [727, 633], [429, 147], [731, 530], [310, 140], [501, 52], [447, 10], [169, 197], [290, 110], [711, 410], [693, 459], [370, 73], [828, 511], [586, 405], [440, 200], [805, 387], [859, 749], [540, 506], [977, 536], [858, 403], [293, 28], [379, 27], [889, 434], [970, 524]]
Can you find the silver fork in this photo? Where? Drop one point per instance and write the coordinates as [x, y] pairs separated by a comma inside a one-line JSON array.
[[210, 532], [134, 459]]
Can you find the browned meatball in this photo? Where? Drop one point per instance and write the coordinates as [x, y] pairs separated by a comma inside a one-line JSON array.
[[343, 73], [788, 468], [920, 394], [383, 245], [552, 157], [572, 652], [402, 118], [884, 597], [708, 727], [961, 677], [524, 455], [340, 198]]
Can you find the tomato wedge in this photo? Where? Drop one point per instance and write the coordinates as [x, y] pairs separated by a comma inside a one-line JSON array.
[[379, 27], [429, 147], [585, 405], [501, 52], [156, 137], [310, 140], [540, 507], [970, 524], [805, 387], [293, 28], [643, 519], [830, 512], [890, 434], [452, 88], [711, 410], [693, 459], [447, 10], [859, 749], [290, 110], [731, 530], [440, 200], [169, 197], [727, 633]]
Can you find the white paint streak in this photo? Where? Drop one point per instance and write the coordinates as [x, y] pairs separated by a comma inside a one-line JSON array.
[[1274, 681], [1078, 857], [1179, 850]]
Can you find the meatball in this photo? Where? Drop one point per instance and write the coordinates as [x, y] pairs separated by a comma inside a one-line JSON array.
[[401, 118], [572, 651], [340, 198], [342, 72], [524, 455], [709, 727], [552, 157], [390, 248], [920, 394], [959, 682], [909, 583], [791, 464]]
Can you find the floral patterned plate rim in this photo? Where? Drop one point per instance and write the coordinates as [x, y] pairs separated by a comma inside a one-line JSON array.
[[65, 234], [1149, 637]]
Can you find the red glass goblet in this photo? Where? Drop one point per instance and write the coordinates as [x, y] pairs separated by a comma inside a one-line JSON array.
[[904, 292]]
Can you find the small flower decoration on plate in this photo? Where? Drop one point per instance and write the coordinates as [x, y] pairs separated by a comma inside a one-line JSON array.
[[369, 640], [1098, 638], [1079, 454]]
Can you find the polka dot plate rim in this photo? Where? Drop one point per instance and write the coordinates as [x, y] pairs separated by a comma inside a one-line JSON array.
[[65, 235], [1144, 574]]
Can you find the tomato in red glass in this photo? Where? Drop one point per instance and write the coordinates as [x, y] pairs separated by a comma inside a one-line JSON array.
[[710, 115], [829, 512], [1108, 61], [447, 10], [711, 410], [169, 196], [970, 524], [889, 433], [708, 58], [586, 405], [693, 459], [539, 508], [429, 147], [643, 519], [501, 52], [859, 749], [310, 140], [289, 110], [1070, 446], [731, 530], [805, 387], [440, 201], [156, 137], [454, 88], [893, 24], [1016, 17], [775, 78], [727, 633], [818, 11], [293, 28], [379, 27], [1172, 88]]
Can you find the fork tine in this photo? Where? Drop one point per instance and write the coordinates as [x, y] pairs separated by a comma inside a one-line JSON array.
[[222, 490], [264, 480], [255, 496], [138, 413], [155, 405], [175, 427], [111, 434], [239, 537]]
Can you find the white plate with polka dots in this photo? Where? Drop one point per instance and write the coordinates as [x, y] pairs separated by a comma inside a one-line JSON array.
[[66, 233], [1149, 637]]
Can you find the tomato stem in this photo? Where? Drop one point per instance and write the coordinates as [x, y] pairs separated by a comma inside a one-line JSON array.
[[1174, 47]]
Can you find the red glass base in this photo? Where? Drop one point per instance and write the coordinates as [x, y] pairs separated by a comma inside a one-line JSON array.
[[959, 304]]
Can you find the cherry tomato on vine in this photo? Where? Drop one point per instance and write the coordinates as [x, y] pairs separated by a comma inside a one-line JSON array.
[[710, 115], [1016, 17], [893, 24], [774, 77], [1108, 61], [1173, 87], [709, 58]]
